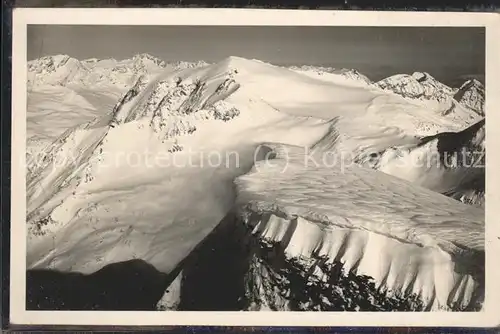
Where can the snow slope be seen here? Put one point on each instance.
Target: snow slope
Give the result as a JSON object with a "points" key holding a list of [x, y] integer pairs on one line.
{"points": [[63, 70], [64, 92], [123, 186], [328, 73], [448, 162], [52, 110]]}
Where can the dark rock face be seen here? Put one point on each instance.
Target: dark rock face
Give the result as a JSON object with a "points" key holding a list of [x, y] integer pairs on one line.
{"points": [[290, 284], [466, 150], [129, 285], [467, 140], [214, 274]]}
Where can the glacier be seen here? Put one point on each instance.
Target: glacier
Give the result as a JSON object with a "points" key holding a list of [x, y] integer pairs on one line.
{"points": [[133, 178]]}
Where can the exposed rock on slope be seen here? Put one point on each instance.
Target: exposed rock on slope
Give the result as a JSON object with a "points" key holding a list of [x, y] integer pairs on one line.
{"points": [[462, 156], [353, 75], [471, 95], [419, 85], [55, 70], [464, 104], [171, 107], [446, 162], [451, 163], [174, 103]]}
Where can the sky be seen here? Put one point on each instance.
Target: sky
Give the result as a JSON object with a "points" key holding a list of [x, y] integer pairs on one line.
{"points": [[448, 53]]}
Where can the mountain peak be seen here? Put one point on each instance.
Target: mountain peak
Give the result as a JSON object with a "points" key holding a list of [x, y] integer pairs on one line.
{"points": [[235, 61], [52, 61], [241, 65], [146, 57], [420, 76], [419, 85], [63, 69], [57, 70], [472, 83]]}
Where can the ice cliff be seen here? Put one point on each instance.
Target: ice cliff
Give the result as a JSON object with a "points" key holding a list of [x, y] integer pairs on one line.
{"points": [[325, 224], [303, 236]]}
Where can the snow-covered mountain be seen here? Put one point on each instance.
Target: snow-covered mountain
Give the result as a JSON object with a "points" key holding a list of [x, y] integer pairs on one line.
{"points": [[419, 85], [64, 70], [55, 70], [463, 104], [450, 163], [64, 92], [185, 151]]}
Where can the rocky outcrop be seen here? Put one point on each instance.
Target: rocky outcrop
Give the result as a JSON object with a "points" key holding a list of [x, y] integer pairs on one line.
{"points": [[174, 104], [419, 85], [171, 107], [55, 70], [451, 163], [463, 154], [472, 96], [353, 74]]}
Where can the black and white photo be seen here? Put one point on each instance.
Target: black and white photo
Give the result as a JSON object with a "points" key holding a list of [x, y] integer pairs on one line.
{"points": [[258, 168]]}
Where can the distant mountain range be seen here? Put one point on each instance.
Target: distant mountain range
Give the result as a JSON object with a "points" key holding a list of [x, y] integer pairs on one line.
{"points": [[64, 70]]}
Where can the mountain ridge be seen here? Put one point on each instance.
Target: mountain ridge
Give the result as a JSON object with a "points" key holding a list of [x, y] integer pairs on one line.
{"points": [[94, 71], [419, 86]]}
